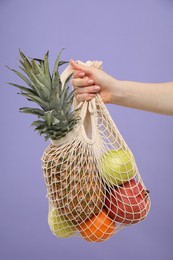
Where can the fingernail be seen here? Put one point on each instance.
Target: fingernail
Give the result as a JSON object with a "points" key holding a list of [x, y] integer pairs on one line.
{"points": [[81, 74], [90, 81], [96, 87]]}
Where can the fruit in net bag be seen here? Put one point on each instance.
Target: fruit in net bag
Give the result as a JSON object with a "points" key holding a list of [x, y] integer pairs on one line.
{"points": [[73, 182], [117, 166], [88, 170], [99, 228], [129, 203], [60, 226]]}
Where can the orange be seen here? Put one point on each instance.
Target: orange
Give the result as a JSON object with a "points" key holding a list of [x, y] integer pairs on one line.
{"points": [[98, 228]]}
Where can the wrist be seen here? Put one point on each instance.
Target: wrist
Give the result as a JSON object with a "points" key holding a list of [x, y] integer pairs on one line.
{"points": [[116, 92]]}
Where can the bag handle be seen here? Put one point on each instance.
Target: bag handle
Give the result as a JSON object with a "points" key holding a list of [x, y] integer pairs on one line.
{"points": [[88, 109], [65, 74]]}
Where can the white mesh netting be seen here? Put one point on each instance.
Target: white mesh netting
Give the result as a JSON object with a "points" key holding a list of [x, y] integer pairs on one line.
{"points": [[93, 185]]}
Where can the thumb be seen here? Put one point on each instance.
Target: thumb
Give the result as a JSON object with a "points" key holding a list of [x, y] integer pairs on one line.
{"points": [[79, 66]]}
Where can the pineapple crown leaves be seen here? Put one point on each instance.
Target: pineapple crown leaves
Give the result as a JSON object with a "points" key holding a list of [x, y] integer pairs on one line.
{"points": [[55, 118]]}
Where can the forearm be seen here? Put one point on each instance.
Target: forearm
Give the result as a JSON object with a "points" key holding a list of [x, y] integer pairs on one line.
{"points": [[157, 98]]}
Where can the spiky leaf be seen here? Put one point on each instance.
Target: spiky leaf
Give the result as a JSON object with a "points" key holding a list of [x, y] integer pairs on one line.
{"points": [[55, 116], [35, 111]]}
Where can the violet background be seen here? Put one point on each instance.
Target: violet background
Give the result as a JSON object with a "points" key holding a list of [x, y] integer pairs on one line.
{"points": [[135, 41]]}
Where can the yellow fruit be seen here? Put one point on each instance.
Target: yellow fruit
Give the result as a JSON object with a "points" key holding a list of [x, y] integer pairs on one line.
{"points": [[117, 167], [60, 226]]}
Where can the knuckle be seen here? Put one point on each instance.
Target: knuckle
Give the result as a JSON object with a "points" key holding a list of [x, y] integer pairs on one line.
{"points": [[72, 81], [76, 91]]}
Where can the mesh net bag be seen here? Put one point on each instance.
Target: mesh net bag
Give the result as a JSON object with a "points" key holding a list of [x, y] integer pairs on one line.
{"points": [[94, 188]]}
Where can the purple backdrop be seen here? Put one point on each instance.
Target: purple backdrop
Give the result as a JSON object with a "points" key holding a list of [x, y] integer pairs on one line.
{"points": [[135, 41]]}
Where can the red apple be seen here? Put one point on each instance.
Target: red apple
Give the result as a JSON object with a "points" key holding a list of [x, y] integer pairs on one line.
{"points": [[129, 203]]}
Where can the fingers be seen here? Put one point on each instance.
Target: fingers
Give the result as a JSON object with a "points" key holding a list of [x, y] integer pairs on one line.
{"points": [[80, 67], [74, 65], [86, 93], [81, 82], [87, 90], [85, 97], [78, 74]]}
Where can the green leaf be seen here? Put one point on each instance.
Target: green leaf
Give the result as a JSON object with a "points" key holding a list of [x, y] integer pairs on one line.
{"points": [[22, 77], [39, 73], [41, 63], [60, 63], [28, 90], [35, 111], [22, 68], [64, 94], [43, 80], [56, 82], [41, 129], [46, 66], [36, 100], [54, 99], [55, 121], [26, 63], [42, 91], [42, 66], [67, 107], [38, 123], [56, 65], [70, 97], [56, 118], [65, 89], [48, 116], [39, 60], [35, 67]]}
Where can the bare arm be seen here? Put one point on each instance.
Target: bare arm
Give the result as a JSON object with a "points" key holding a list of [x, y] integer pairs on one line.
{"points": [[153, 97]]}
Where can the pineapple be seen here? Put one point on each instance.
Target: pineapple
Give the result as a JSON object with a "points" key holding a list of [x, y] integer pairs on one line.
{"points": [[73, 182], [74, 187]]}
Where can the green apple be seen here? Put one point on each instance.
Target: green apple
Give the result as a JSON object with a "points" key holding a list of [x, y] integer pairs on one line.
{"points": [[117, 166], [60, 226]]}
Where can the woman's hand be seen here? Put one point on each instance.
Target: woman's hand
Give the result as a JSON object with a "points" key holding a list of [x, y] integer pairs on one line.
{"points": [[87, 81]]}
